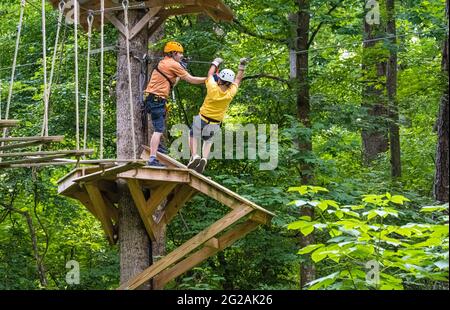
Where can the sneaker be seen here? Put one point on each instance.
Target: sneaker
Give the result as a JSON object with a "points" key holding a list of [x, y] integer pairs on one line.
{"points": [[155, 163], [162, 149], [201, 165], [194, 162]]}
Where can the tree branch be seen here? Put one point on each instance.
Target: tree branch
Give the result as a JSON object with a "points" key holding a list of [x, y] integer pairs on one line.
{"points": [[247, 31], [316, 31], [266, 76]]}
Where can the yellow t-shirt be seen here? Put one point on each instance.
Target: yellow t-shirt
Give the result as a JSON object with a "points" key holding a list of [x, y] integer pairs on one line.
{"points": [[217, 101], [158, 84]]}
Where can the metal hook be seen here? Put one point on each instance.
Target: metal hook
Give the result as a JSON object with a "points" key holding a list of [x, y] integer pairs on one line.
{"points": [[125, 4], [61, 5], [90, 18]]}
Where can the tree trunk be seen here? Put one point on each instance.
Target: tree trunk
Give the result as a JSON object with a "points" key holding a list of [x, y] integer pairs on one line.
{"points": [[391, 80], [307, 269], [135, 245], [375, 132], [441, 191]]}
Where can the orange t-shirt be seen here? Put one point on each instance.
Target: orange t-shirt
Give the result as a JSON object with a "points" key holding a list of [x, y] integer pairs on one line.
{"points": [[158, 84]]}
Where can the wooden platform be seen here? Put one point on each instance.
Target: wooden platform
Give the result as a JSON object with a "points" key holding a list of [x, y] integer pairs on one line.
{"points": [[158, 11], [97, 189]]}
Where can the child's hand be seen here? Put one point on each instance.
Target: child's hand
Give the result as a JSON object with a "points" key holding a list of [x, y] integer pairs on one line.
{"points": [[243, 63], [217, 62]]}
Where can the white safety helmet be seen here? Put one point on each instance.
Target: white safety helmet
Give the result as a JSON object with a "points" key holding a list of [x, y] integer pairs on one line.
{"points": [[227, 75]]}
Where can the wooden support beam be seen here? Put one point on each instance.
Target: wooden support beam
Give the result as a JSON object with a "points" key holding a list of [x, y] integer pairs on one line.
{"points": [[42, 159], [109, 188], [261, 217], [111, 210], [6, 123], [157, 174], [83, 197], [35, 138], [181, 196], [109, 172], [214, 193], [158, 195], [187, 247], [144, 21], [141, 205], [98, 202], [198, 180], [206, 252], [116, 22], [44, 140]]}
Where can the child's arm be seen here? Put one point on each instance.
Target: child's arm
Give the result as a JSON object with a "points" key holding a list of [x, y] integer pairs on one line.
{"points": [[214, 66], [242, 64]]}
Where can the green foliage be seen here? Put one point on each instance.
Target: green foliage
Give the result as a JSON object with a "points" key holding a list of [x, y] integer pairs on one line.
{"points": [[407, 254]]}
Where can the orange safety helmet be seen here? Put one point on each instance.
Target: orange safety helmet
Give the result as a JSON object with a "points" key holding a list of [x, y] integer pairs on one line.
{"points": [[173, 46]]}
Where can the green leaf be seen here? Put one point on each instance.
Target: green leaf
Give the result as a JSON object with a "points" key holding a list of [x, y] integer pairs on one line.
{"points": [[319, 255], [398, 199], [434, 208], [310, 248], [306, 230], [442, 264]]}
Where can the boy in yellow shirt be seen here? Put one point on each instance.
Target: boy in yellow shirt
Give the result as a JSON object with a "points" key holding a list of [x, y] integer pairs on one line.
{"points": [[221, 90]]}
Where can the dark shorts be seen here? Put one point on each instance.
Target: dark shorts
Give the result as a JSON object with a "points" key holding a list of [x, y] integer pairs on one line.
{"points": [[157, 109], [206, 130]]}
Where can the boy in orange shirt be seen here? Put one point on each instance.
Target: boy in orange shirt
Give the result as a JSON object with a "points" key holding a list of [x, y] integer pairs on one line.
{"points": [[163, 78]]}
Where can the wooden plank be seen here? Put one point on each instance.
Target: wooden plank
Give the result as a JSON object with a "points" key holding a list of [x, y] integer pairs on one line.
{"points": [[163, 158], [44, 153], [226, 240], [144, 21], [35, 138], [181, 196], [157, 174], [157, 196], [187, 247], [213, 192], [6, 123], [39, 159], [101, 210], [197, 179], [25, 144], [139, 200], [191, 9], [109, 172]]}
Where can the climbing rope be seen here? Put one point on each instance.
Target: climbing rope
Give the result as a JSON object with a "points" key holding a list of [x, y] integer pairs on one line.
{"points": [[102, 25], [47, 93], [13, 73], [77, 116], [130, 95], [44, 65], [90, 19]]}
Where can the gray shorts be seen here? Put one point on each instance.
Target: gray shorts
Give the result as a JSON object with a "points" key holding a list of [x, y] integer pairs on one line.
{"points": [[201, 128]]}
